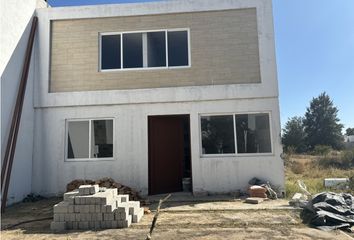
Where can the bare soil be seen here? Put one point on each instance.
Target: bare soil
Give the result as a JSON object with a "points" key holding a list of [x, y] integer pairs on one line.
{"points": [[214, 220]]}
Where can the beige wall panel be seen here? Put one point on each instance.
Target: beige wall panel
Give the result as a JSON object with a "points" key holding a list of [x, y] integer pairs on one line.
{"points": [[224, 50]]}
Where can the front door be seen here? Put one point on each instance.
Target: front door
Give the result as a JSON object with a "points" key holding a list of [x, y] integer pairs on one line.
{"points": [[166, 153]]}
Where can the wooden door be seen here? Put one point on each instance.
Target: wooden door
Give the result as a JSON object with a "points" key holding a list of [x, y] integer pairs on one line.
{"points": [[165, 154]]}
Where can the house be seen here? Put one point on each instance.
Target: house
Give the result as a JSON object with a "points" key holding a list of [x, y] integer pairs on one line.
{"points": [[153, 95]]}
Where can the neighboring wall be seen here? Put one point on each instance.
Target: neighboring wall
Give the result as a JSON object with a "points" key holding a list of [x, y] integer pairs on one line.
{"points": [[14, 16], [15, 28], [224, 50]]}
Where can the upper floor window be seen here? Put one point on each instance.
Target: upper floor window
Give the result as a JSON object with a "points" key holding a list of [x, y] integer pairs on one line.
{"points": [[151, 49]]}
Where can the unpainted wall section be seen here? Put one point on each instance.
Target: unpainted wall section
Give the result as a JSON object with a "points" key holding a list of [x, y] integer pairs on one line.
{"points": [[224, 50], [130, 165]]}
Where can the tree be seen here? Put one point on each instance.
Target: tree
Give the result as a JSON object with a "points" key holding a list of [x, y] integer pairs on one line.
{"points": [[349, 131], [321, 123], [294, 135]]}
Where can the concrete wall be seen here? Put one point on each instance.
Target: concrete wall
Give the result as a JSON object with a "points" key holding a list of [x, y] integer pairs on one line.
{"points": [[20, 184], [223, 47], [130, 165], [14, 17], [15, 24]]}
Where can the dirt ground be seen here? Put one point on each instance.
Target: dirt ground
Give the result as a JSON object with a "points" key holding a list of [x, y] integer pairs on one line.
{"points": [[178, 220]]}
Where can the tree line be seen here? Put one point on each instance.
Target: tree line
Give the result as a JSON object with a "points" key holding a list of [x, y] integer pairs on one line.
{"points": [[320, 126]]}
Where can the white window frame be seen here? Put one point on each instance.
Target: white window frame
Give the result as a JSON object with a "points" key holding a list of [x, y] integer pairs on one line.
{"points": [[236, 154], [90, 120], [143, 68]]}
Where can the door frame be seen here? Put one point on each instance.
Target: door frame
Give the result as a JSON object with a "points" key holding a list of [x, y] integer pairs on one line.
{"points": [[149, 145]]}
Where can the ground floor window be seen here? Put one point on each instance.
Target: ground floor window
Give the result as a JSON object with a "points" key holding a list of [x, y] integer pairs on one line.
{"points": [[89, 139], [236, 134]]}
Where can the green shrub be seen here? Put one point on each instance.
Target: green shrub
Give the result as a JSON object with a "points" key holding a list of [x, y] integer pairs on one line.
{"points": [[322, 150]]}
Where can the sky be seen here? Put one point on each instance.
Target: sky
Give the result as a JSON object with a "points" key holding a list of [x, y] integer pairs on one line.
{"points": [[314, 52]]}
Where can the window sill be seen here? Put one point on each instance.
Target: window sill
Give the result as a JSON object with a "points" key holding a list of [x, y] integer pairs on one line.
{"points": [[89, 159], [236, 155], [142, 69]]}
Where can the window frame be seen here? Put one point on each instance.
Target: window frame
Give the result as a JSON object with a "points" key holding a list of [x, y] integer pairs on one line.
{"points": [[89, 159], [100, 34], [236, 154]]}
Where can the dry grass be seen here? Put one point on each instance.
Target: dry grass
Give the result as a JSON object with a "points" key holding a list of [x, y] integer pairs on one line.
{"points": [[307, 168]]}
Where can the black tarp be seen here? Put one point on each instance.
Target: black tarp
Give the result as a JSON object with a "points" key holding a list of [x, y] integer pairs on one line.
{"points": [[329, 211]]}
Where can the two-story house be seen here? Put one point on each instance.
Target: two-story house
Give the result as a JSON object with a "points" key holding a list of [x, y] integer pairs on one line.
{"points": [[157, 94]]}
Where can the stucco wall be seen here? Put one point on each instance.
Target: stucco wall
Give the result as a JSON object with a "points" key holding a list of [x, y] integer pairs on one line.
{"points": [[21, 176], [223, 46], [214, 174]]}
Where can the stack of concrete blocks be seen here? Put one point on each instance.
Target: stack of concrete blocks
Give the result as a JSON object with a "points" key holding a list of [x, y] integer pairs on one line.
{"points": [[91, 207]]}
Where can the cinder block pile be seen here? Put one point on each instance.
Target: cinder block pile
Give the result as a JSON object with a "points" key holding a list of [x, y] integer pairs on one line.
{"points": [[91, 207]]}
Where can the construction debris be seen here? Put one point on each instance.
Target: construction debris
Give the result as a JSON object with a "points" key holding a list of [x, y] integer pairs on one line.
{"points": [[337, 183], [107, 183], [270, 193], [154, 220], [91, 207], [298, 200], [329, 211], [257, 191], [254, 200]]}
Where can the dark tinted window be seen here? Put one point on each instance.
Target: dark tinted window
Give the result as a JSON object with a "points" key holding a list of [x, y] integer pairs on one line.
{"points": [[178, 48], [102, 138], [217, 134], [253, 133], [110, 52], [132, 50], [156, 49]]}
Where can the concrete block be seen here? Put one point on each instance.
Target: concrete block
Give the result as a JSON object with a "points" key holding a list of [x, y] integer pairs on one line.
{"points": [[69, 225], [92, 208], [84, 189], [75, 225], [56, 217], [94, 189], [58, 226], [85, 208], [114, 224], [123, 198], [97, 224], [337, 183], [61, 217], [254, 200], [61, 207], [133, 206], [66, 217], [77, 208], [137, 217], [69, 196], [83, 225], [125, 223], [97, 208], [71, 208], [108, 216], [99, 216]]}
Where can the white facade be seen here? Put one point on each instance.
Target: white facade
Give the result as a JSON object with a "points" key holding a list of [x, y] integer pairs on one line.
{"points": [[15, 28], [130, 110]]}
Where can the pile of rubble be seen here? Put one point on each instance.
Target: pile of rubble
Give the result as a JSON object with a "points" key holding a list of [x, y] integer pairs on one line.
{"points": [[92, 207], [107, 183]]}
